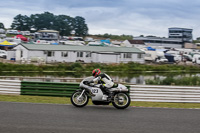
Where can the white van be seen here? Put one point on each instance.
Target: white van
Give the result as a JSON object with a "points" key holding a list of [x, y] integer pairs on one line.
{"points": [[3, 54], [195, 58], [198, 61], [12, 32], [2, 31], [26, 33]]}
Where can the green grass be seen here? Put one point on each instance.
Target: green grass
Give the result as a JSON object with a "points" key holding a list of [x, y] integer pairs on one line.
{"points": [[34, 99], [166, 105], [66, 100]]}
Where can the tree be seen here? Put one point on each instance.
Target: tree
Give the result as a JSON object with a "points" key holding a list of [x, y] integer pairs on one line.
{"points": [[64, 24], [1, 26], [43, 21], [21, 22], [80, 27]]}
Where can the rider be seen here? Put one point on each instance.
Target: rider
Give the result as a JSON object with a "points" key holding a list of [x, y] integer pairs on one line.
{"points": [[104, 79]]}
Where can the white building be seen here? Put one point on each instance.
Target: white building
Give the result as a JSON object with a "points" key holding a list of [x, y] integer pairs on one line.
{"points": [[67, 53], [161, 42], [134, 43], [181, 33]]}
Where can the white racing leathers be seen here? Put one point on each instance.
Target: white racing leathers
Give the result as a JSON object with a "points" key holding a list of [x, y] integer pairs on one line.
{"points": [[105, 80]]}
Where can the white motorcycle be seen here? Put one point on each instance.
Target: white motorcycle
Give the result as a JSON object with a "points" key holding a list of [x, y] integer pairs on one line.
{"points": [[119, 95]]}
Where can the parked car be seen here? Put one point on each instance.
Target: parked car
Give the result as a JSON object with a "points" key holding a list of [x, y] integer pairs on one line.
{"points": [[22, 38], [2, 35], [15, 32], [187, 57], [3, 54], [195, 58], [177, 58], [26, 33], [2, 31], [161, 59], [197, 61]]}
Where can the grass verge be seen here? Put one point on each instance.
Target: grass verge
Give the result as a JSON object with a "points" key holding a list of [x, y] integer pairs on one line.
{"points": [[66, 100]]}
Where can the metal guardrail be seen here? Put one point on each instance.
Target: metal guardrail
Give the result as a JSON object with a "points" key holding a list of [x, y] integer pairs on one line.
{"points": [[10, 87], [41, 79], [48, 88], [147, 93], [158, 93]]}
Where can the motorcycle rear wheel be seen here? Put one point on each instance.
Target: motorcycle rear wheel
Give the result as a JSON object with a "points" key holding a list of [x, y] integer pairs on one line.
{"points": [[78, 101], [121, 100]]}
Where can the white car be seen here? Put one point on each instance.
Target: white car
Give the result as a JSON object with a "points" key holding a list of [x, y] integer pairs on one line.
{"points": [[161, 59], [177, 58], [3, 54], [195, 58]]}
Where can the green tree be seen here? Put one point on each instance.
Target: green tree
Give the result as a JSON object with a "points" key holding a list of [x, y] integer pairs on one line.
{"points": [[64, 24], [1, 26], [80, 27], [106, 35], [21, 23], [43, 21]]}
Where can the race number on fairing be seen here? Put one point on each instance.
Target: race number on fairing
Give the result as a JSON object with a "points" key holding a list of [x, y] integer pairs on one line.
{"points": [[94, 90]]}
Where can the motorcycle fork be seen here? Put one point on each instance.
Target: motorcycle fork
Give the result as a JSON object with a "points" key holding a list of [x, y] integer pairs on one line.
{"points": [[81, 94]]}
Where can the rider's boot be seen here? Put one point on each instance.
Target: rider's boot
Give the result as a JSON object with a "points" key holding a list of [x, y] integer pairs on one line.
{"points": [[104, 90], [92, 94], [109, 93]]}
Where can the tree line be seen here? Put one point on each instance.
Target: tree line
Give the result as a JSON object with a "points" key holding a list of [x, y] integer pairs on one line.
{"points": [[66, 25], [1, 25], [115, 37]]}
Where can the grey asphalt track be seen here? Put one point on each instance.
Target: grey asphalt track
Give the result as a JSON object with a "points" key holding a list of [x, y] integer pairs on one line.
{"points": [[52, 118]]}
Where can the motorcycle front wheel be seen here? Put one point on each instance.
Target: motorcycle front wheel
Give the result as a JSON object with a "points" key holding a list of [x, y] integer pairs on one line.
{"points": [[78, 100], [121, 100]]}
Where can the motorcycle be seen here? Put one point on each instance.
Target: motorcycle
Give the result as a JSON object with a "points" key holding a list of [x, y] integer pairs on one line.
{"points": [[119, 95]]}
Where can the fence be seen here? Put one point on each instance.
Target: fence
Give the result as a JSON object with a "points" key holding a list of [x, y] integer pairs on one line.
{"points": [[10, 87], [151, 93], [48, 88], [154, 93]]}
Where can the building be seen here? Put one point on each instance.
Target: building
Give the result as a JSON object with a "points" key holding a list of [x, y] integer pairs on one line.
{"points": [[160, 42], [48, 35], [134, 43], [67, 53], [181, 33]]}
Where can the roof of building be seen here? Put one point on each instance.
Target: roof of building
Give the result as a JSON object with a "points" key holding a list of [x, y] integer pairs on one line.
{"points": [[136, 42], [49, 47], [158, 39], [178, 28], [48, 31]]}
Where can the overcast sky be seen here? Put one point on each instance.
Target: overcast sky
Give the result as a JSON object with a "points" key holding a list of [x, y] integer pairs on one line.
{"points": [[117, 17]]}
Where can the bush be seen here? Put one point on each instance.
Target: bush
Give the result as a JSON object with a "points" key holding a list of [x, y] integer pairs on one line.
{"points": [[188, 81]]}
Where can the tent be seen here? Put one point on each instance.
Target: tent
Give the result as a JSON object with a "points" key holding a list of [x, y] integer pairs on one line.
{"points": [[100, 44], [6, 43], [22, 37], [105, 41], [151, 49]]}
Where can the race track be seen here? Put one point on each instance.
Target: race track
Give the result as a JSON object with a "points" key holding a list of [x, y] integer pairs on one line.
{"points": [[52, 118]]}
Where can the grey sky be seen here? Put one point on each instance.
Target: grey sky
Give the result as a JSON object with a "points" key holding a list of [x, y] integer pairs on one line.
{"points": [[130, 17]]}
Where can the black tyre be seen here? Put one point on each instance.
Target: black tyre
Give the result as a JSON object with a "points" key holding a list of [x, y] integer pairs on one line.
{"points": [[121, 100], [78, 101]]}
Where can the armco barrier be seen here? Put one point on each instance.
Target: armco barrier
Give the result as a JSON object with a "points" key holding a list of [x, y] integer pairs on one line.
{"points": [[149, 93], [48, 88], [159, 93], [10, 87]]}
